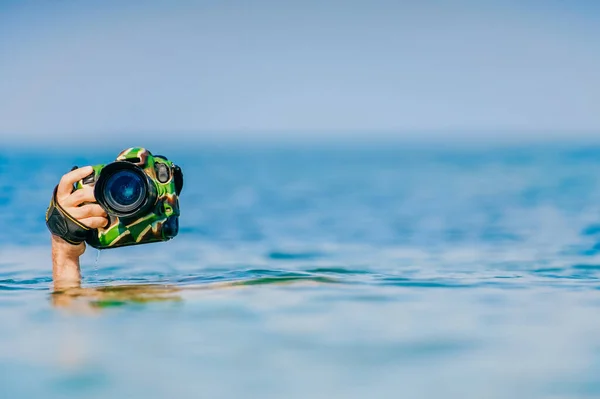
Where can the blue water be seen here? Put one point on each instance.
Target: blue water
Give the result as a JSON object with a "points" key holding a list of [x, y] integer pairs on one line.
{"points": [[317, 273]]}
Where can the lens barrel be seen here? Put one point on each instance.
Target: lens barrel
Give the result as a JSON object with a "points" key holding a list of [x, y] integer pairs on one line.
{"points": [[124, 190]]}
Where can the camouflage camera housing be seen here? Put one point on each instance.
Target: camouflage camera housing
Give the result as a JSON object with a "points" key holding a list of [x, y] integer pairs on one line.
{"points": [[140, 194]]}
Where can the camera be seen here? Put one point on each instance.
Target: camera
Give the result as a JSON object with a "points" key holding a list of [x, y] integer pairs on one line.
{"points": [[140, 194]]}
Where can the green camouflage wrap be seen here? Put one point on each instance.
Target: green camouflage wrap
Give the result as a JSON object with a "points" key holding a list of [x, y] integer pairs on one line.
{"points": [[148, 227]]}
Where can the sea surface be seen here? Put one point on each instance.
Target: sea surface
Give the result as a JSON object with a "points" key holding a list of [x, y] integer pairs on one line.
{"points": [[318, 272]]}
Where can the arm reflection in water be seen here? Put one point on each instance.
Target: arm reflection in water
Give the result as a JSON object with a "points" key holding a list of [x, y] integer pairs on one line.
{"points": [[95, 298], [92, 299]]}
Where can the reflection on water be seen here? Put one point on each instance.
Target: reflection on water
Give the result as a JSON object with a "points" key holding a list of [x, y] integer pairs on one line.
{"points": [[110, 296], [81, 298]]}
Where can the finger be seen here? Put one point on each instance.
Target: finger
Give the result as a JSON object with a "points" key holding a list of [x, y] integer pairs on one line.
{"points": [[86, 194], [65, 186], [95, 222], [86, 211]]}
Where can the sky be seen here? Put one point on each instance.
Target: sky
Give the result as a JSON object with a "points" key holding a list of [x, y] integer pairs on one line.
{"points": [[86, 70]]}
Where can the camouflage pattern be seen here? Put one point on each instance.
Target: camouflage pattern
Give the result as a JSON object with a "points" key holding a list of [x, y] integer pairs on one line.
{"points": [[146, 228]]}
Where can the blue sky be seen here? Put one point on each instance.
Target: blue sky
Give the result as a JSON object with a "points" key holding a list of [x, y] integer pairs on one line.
{"points": [[74, 69]]}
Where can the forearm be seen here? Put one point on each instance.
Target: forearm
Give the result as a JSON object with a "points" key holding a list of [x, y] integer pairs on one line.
{"points": [[71, 214], [65, 263]]}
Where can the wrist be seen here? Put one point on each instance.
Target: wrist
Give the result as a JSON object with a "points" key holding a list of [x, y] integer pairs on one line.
{"points": [[66, 250], [65, 262]]}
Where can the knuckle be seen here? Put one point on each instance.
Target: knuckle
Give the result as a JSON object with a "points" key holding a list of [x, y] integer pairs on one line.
{"points": [[98, 211], [84, 212], [100, 222], [77, 195], [90, 193]]}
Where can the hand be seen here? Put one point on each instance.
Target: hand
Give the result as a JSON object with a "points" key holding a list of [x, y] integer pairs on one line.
{"points": [[80, 204]]}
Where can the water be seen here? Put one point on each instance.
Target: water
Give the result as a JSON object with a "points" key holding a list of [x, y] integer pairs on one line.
{"points": [[332, 272]]}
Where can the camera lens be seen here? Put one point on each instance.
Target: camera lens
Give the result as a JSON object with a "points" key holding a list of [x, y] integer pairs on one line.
{"points": [[125, 191]]}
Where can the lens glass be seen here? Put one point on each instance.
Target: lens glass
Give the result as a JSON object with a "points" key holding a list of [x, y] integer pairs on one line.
{"points": [[125, 190]]}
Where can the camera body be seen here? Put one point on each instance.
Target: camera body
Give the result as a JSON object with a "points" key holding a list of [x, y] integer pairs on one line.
{"points": [[140, 194]]}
